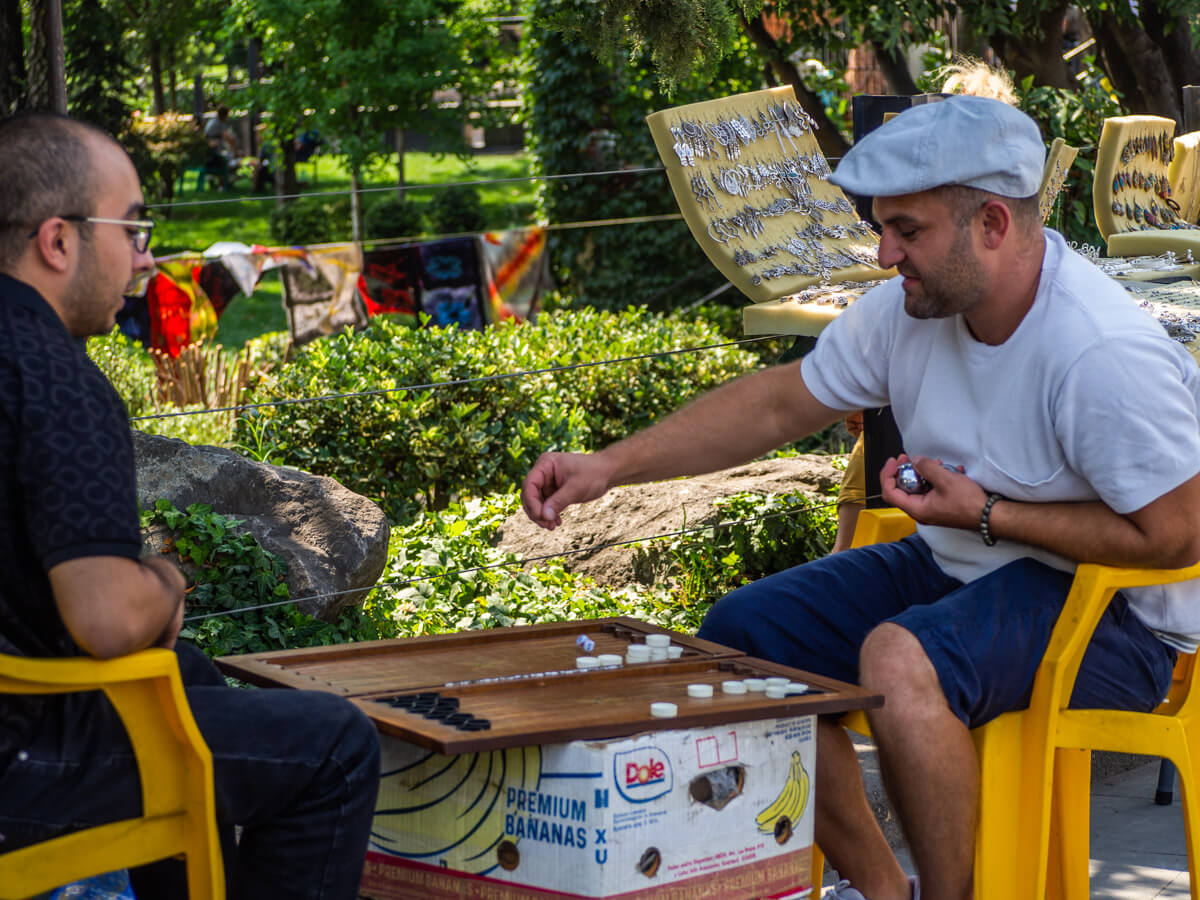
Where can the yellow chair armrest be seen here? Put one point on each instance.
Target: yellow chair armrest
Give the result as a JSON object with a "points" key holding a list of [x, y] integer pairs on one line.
{"points": [[881, 526], [29, 675]]}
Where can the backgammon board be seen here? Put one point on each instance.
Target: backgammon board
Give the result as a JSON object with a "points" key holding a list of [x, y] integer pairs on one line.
{"points": [[514, 687]]}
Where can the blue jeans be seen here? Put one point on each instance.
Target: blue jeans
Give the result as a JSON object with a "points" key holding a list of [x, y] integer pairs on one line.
{"points": [[298, 770], [985, 638]]}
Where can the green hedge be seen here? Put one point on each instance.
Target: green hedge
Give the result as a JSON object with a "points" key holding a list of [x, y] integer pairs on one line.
{"points": [[411, 449], [425, 589], [128, 366]]}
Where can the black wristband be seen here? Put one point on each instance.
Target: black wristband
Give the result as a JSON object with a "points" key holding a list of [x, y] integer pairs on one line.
{"points": [[985, 530]]}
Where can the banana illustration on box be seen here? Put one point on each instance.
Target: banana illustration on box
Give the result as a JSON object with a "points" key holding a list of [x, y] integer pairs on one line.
{"points": [[792, 800], [453, 812]]}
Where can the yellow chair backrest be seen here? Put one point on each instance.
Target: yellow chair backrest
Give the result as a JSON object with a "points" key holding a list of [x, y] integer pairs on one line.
{"points": [[175, 767]]}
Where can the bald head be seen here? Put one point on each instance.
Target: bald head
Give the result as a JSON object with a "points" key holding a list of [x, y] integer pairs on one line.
{"points": [[46, 170]]}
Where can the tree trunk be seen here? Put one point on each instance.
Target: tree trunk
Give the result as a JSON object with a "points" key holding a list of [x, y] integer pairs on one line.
{"points": [[12, 59], [37, 59], [356, 213], [159, 103], [895, 70], [1145, 60], [1040, 54], [829, 139], [171, 80], [55, 55], [1116, 65], [1173, 34], [398, 136], [285, 174]]}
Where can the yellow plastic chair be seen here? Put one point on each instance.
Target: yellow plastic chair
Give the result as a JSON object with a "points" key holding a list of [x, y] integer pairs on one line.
{"points": [[178, 814], [1026, 845]]}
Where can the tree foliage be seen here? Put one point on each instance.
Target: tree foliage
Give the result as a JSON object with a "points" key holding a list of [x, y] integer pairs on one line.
{"points": [[358, 76], [583, 114], [1147, 48]]}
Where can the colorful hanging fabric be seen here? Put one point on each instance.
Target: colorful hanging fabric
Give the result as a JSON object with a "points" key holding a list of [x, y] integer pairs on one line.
{"points": [[390, 280], [171, 308], [320, 290], [516, 263], [218, 284], [180, 313], [452, 289]]}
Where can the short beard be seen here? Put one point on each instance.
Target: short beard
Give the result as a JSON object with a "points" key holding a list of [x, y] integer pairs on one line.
{"points": [[954, 287], [87, 311]]}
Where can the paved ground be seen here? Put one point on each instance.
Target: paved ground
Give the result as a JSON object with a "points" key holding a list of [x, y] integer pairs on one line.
{"points": [[1138, 848]]}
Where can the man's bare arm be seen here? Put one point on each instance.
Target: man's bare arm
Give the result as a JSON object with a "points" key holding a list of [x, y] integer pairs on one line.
{"points": [[1164, 534], [112, 605], [735, 423]]}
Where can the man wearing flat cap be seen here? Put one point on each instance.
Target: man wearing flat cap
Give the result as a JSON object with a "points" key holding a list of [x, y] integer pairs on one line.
{"points": [[1069, 420]]}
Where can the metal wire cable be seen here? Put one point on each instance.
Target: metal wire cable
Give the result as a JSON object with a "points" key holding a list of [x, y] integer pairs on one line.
{"points": [[375, 392], [509, 564], [1087, 148], [406, 187]]}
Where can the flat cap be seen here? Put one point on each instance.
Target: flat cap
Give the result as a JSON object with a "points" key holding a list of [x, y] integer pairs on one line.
{"points": [[970, 141]]}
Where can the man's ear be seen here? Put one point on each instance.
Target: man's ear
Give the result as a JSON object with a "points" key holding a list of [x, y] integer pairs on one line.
{"points": [[997, 222], [54, 244]]}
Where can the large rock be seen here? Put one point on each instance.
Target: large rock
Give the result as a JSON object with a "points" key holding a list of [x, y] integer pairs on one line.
{"points": [[332, 539], [637, 511]]}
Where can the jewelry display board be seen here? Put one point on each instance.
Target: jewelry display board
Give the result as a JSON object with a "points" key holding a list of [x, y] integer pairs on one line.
{"points": [[752, 185], [1184, 175], [1131, 197], [1058, 163]]}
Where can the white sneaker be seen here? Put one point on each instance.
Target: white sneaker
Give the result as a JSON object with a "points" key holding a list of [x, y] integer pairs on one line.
{"points": [[843, 891]]}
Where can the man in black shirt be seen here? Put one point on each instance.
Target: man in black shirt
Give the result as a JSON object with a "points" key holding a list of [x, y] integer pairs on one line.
{"points": [[297, 770]]}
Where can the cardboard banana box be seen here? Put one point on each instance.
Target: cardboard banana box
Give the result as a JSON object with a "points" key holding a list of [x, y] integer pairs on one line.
{"points": [[722, 812]]}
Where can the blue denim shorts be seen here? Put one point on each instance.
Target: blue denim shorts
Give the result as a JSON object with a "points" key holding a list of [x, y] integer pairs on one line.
{"points": [[985, 638]]}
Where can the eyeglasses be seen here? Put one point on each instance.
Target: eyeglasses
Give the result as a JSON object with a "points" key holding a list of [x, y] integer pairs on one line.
{"points": [[140, 230]]}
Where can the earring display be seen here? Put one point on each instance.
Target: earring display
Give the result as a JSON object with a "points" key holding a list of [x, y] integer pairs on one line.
{"points": [[752, 185], [1132, 199], [1175, 306], [1054, 175], [1184, 175]]}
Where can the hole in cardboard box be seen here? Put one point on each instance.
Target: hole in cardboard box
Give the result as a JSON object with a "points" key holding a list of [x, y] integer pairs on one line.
{"points": [[508, 855], [649, 862], [783, 829], [718, 787]]}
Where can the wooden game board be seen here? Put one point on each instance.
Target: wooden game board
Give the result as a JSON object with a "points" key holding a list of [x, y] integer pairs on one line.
{"points": [[522, 682]]}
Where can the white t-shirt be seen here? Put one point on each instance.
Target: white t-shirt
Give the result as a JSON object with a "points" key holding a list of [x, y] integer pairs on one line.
{"points": [[1088, 399]]}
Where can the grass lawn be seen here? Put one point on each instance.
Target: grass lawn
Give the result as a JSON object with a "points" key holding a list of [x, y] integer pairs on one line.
{"points": [[242, 216]]}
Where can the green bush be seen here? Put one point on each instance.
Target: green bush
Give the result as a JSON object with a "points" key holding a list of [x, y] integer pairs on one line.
{"points": [[445, 574], [229, 571], [765, 535], [392, 218], [312, 220], [430, 446], [458, 209], [130, 369]]}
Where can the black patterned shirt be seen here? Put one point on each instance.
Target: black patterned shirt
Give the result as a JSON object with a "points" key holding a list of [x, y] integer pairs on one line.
{"points": [[67, 487]]}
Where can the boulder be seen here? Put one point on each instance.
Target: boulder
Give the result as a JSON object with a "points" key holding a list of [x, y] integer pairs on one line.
{"points": [[332, 539], [641, 510]]}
